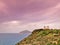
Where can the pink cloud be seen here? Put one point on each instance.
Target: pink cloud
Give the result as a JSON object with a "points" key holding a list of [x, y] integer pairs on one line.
{"points": [[3, 7], [29, 14]]}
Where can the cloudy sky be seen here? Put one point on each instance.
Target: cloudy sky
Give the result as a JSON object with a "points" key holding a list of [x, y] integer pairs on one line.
{"points": [[19, 15]]}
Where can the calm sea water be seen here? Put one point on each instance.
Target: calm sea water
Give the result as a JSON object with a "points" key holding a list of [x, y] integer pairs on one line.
{"points": [[11, 38]]}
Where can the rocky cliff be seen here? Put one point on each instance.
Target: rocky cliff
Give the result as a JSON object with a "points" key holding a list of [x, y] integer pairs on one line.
{"points": [[42, 37]]}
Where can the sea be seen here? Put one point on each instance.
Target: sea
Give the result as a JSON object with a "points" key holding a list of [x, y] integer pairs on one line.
{"points": [[11, 38]]}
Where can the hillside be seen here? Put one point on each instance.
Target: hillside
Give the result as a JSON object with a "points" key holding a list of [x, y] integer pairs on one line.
{"points": [[25, 31], [42, 37]]}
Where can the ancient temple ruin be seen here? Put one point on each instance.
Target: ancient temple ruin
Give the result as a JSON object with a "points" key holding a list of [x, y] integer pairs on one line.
{"points": [[46, 27]]}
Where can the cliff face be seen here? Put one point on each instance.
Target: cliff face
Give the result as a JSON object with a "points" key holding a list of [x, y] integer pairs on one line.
{"points": [[42, 37]]}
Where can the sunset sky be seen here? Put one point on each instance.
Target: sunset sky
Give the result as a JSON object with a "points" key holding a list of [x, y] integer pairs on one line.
{"points": [[20, 15]]}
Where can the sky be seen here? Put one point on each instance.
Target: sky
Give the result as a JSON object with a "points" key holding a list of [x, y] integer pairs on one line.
{"points": [[20, 15]]}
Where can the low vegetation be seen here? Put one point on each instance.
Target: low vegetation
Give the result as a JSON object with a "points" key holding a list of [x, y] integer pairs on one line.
{"points": [[42, 37]]}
